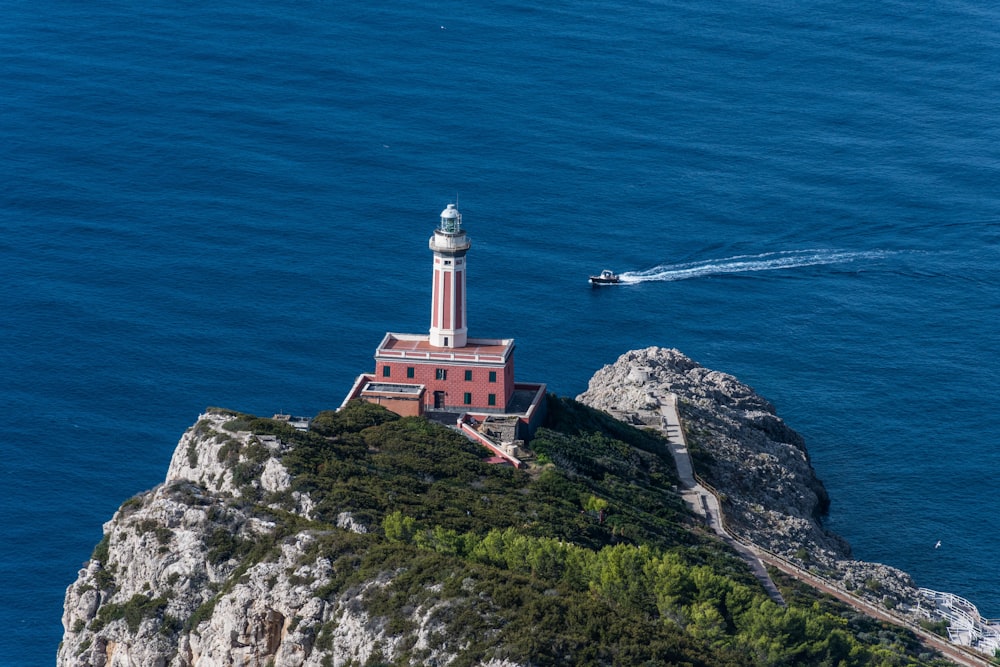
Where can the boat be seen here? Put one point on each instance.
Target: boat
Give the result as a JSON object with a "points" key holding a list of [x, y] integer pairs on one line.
{"points": [[606, 278]]}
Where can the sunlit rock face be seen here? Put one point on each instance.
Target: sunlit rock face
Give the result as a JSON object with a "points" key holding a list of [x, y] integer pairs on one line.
{"points": [[194, 574], [760, 466]]}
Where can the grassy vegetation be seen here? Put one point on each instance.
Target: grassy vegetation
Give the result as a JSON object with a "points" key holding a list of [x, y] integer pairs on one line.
{"points": [[100, 552], [588, 558], [138, 608]]}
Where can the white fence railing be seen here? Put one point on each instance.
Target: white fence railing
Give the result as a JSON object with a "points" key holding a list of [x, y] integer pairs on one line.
{"points": [[966, 625]]}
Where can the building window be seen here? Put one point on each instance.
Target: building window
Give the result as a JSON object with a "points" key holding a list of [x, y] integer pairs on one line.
{"points": [[447, 262], [468, 398], [493, 376], [491, 399], [468, 376], [441, 374], [409, 371], [386, 371]]}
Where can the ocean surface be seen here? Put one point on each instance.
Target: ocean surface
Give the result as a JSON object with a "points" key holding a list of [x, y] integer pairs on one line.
{"points": [[228, 204]]}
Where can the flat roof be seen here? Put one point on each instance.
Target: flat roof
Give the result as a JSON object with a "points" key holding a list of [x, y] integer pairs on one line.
{"points": [[393, 388], [522, 399], [416, 347]]}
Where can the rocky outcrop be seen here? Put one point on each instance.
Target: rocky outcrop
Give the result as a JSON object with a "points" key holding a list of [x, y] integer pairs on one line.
{"points": [[197, 572], [759, 466], [227, 563]]}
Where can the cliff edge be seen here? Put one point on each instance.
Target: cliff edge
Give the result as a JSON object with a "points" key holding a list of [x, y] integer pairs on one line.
{"points": [[373, 539], [769, 491], [220, 565]]}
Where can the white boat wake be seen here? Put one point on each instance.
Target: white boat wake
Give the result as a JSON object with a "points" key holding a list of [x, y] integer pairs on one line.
{"points": [[768, 261]]}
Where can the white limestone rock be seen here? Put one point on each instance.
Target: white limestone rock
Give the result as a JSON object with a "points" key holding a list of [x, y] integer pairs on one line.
{"points": [[742, 448], [274, 477], [190, 575]]}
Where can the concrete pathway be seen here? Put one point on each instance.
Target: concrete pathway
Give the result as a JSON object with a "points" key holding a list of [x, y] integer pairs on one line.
{"points": [[701, 500], [704, 503]]}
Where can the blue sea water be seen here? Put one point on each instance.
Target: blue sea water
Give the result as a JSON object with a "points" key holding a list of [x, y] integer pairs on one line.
{"points": [[228, 204]]}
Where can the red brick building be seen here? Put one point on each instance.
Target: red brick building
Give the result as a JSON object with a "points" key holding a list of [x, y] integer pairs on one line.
{"points": [[445, 370]]}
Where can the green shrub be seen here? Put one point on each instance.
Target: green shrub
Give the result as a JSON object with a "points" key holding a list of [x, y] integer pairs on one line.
{"points": [[163, 533], [256, 452], [229, 452], [138, 608], [170, 625], [399, 528], [939, 627], [131, 505], [105, 578], [354, 417], [237, 425], [201, 614], [223, 545], [244, 473], [585, 560], [100, 552]]}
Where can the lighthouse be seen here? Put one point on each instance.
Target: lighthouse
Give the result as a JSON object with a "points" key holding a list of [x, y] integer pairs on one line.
{"points": [[449, 245], [444, 373]]}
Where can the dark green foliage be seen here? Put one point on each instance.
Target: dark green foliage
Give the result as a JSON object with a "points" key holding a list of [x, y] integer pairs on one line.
{"points": [[131, 505], [100, 552], [594, 455], [222, 411], [939, 628], [244, 473], [490, 612], [412, 465], [138, 607], [587, 559], [373, 463], [170, 625], [105, 579], [256, 453], [163, 533], [223, 545], [188, 493], [256, 425], [238, 424], [202, 613], [229, 452], [572, 418], [265, 426], [631, 477], [885, 644], [356, 416], [546, 601]]}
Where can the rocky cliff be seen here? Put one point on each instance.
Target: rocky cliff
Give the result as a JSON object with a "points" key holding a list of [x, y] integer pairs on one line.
{"points": [[175, 581], [760, 467], [236, 560]]}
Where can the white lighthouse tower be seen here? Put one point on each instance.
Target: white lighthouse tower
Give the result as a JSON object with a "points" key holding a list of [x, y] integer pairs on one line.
{"points": [[446, 373], [448, 316]]}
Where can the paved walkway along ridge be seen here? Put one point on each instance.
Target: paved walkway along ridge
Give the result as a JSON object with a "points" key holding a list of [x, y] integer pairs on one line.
{"points": [[700, 499], [704, 503]]}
